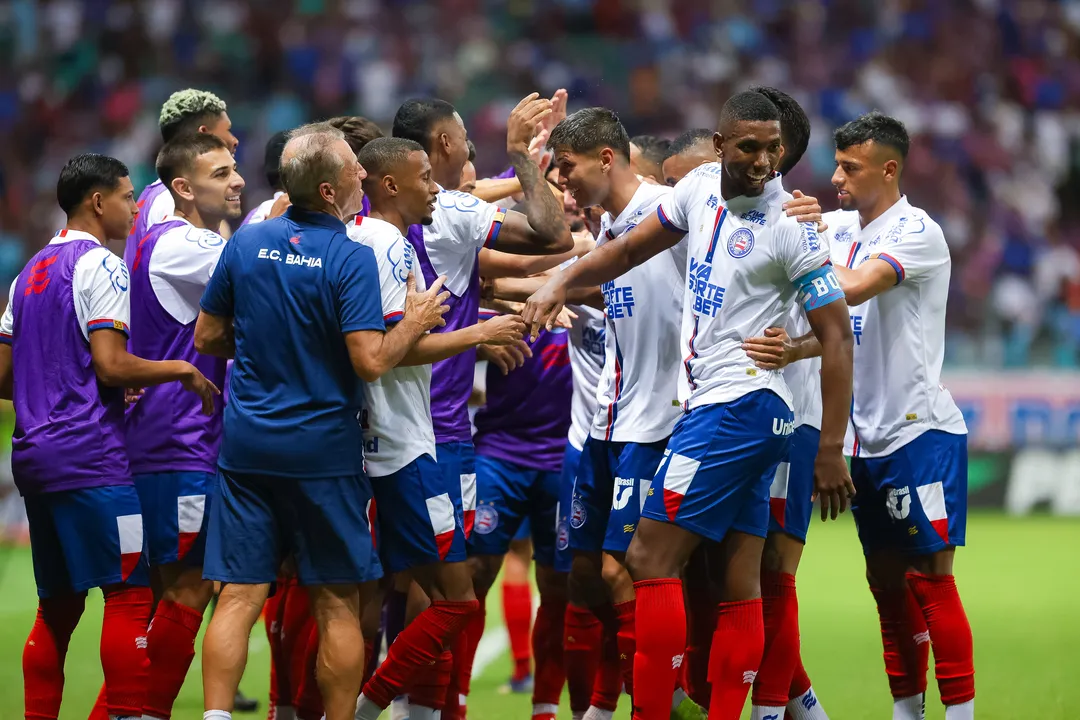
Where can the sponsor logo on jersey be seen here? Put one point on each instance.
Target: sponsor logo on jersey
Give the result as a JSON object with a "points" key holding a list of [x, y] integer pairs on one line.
{"points": [[810, 237], [578, 514], [623, 491], [487, 519], [592, 340], [857, 328], [708, 298], [898, 502], [740, 243], [618, 300], [843, 235], [712, 202], [754, 216]]}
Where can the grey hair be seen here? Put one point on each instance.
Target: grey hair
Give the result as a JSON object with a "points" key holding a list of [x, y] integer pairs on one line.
{"points": [[309, 160]]}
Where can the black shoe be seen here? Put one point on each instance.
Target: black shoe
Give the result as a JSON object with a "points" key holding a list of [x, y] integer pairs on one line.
{"points": [[242, 703]]}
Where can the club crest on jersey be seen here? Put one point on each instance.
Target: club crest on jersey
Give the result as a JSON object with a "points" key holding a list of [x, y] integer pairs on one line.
{"points": [[562, 536], [740, 243], [843, 235], [487, 519], [578, 514]]}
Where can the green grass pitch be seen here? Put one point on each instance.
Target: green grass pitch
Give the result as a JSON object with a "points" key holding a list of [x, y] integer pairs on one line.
{"points": [[1018, 580]]}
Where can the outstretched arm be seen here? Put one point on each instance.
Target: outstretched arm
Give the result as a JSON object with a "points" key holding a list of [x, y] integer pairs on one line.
{"points": [[605, 263]]}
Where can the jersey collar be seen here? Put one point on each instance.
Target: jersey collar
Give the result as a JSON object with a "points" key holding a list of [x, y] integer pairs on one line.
{"points": [[886, 218], [66, 236], [306, 217]]}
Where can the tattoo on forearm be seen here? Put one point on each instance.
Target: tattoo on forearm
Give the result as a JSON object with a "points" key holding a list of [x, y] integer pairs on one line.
{"points": [[541, 207]]}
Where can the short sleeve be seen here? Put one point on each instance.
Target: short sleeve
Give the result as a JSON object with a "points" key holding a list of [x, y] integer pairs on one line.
{"points": [[358, 298], [674, 210], [180, 269], [468, 220], [217, 298], [7, 321], [914, 248], [395, 264], [800, 249], [101, 283]]}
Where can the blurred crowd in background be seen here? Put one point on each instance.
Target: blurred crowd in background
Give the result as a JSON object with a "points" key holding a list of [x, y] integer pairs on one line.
{"points": [[990, 90]]}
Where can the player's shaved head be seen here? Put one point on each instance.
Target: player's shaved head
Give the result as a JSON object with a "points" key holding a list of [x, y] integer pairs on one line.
{"points": [[794, 127], [886, 132], [688, 151], [177, 158], [747, 106], [385, 156], [358, 130], [590, 130], [186, 111]]}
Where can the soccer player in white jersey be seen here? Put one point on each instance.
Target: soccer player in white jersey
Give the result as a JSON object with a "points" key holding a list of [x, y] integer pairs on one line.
{"points": [[713, 482], [908, 440], [185, 112], [420, 513], [688, 151], [462, 225], [172, 446]]}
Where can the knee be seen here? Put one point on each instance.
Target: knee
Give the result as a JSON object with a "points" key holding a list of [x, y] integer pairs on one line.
{"points": [[485, 568], [194, 593], [638, 563]]}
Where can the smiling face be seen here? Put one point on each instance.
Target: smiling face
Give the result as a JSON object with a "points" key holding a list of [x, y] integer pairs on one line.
{"points": [[750, 150], [583, 175], [416, 190]]}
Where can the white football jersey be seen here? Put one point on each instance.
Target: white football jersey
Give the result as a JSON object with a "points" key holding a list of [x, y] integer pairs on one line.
{"points": [[746, 260], [638, 391], [587, 363], [180, 268], [397, 406], [460, 226], [803, 378], [900, 334], [99, 284]]}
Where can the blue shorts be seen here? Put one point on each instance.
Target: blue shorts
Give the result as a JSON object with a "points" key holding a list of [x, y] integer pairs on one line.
{"points": [[720, 462], [81, 539], [564, 558], [174, 514], [507, 494], [612, 483], [458, 463], [889, 514], [420, 519], [791, 494], [524, 532], [325, 524]]}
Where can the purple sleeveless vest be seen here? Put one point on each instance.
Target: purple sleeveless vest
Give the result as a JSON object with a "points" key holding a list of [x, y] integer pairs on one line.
{"points": [[452, 378], [69, 429], [527, 417], [166, 430], [140, 229]]}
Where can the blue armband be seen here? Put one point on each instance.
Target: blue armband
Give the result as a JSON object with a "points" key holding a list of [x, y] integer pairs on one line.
{"points": [[819, 288]]}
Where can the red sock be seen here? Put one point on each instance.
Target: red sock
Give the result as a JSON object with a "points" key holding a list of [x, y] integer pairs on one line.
{"points": [[123, 647], [736, 656], [418, 646], [800, 681], [170, 647], [273, 615], [627, 640], [547, 642], [582, 635], [950, 633], [517, 612], [100, 711], [905, 641], [660, 632], [44, 654], [463, 653], [429, 687], [701, 624], [780, 610], [608, 685], [308, 701]]}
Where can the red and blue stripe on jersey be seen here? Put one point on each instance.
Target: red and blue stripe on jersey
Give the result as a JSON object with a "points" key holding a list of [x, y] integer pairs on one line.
{"points": [[686, 363], [721, 215], [613, 408], [854, 253]]}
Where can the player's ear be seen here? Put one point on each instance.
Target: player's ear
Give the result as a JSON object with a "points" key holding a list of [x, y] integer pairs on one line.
{"points": [[182, 187], [327, 192], [97, 203], [389, 185], [718, 145], [892, 169]]}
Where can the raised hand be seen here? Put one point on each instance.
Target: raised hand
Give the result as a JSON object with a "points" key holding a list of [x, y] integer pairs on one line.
{"points": [[525, 121]]}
